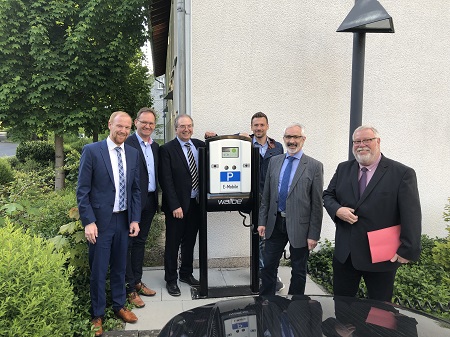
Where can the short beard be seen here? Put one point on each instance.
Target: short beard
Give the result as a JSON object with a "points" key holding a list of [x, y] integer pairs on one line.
{"points": [[363, 159]]}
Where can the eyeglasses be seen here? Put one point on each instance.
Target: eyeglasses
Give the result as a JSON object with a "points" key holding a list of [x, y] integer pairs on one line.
{"points": [[146, 123], [364, 141], [183, 127], [288, 137]]}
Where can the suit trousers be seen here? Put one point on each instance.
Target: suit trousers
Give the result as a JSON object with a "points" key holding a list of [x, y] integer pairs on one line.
{"points": [[346, 279], [181, 233], [272, 254], [136, 245], [110, 250]]}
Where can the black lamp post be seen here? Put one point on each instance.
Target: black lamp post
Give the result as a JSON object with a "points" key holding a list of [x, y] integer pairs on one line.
{"points": [[367, 16]]}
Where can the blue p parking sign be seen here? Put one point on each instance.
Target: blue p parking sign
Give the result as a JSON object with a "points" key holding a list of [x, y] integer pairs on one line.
{"points": [[230, 176]]}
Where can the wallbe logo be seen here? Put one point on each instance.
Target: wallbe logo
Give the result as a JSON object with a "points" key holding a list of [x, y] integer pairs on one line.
{"points": [[230, 201]]}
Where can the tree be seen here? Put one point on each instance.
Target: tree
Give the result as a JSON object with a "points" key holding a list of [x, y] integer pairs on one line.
{"points": [[67, 64]]}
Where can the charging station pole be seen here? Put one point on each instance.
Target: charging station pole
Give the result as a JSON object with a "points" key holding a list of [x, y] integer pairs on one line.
{"points": [[228, 181]]}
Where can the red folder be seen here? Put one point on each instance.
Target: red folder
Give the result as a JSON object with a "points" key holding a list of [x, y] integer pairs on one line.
{"points": [[384, 243], [383, 318]]}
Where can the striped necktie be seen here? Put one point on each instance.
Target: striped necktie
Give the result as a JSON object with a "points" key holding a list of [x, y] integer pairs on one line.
{"points": [[121, 180], [192, 166]]}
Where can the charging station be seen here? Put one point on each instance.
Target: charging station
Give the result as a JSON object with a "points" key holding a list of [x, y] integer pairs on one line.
{"points": [[228, 181]]}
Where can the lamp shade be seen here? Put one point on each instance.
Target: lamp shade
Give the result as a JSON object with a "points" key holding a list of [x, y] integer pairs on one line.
{"points": [[367, 16]]}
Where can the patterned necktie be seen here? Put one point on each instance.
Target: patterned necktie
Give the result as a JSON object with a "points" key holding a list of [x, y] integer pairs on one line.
{"points": [[285, 185], [363, 181], [192, 167], [121, 180]]}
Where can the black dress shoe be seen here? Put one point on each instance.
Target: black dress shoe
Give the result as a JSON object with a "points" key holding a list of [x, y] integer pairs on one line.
{"points": [[172, 289], [191, 280]]}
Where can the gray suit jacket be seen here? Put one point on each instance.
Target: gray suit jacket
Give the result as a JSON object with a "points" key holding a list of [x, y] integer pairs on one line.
{"points": [[304, 208]]}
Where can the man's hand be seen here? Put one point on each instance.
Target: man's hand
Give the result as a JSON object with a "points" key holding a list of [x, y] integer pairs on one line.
{"points": [[134, 229], [346, 214], [311, 244], [178, 213], [398, 258], [91, 233], [262, 231], [209, 134]]}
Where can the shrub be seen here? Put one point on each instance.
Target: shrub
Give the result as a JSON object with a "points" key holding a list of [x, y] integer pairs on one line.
{"points": [[39, 151], [441, 250], [6, 172], [35, 292]]}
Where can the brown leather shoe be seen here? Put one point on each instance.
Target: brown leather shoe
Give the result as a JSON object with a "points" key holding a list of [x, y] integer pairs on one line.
{"points": [[126, 315], [97, 323], [142, 289], [136, 300]]}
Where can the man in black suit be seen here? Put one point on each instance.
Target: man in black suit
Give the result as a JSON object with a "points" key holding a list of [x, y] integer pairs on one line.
{"points": [[179, 182], [145, 124], [366, 194]]}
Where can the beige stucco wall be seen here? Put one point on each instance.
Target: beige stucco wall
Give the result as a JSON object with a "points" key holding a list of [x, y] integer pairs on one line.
{"points": [[285, 58]]}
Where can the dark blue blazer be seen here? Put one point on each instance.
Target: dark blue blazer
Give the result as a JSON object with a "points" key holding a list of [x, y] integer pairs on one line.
{"points": [[96, 189]]}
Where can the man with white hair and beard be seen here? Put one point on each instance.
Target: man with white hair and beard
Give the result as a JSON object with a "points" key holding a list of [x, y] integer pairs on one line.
{"points": [[370, 196], [291, 211]]}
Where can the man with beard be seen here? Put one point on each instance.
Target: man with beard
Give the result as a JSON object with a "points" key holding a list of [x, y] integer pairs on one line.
{"points": [[291, 211], [369, 193]]}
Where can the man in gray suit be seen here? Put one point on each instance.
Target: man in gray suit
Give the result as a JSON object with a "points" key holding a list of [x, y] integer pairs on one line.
{"points": [[291, 211]]}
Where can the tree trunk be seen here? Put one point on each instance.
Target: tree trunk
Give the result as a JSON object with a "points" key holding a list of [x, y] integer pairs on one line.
{"points": [[59, 163], [95, 136]]}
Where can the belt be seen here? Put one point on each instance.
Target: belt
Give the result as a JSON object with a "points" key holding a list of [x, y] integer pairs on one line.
{"points": [[120, 212], [282, 214]]}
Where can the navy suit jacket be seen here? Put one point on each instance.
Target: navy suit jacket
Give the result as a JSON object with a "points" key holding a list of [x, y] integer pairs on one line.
{"points": [[174, 176], [96, 189], [143, 172], [391, 198]]}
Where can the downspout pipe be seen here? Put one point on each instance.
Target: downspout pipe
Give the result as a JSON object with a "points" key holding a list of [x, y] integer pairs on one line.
{"points": [[181, 63]]}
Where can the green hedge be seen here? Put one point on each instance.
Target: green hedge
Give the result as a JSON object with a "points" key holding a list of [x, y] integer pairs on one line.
{"points": [[41, 152], [6, 172], [35, 293]]}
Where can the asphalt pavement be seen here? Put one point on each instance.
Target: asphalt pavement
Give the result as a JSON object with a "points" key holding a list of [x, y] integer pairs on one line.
{"points": [[8, 149]]}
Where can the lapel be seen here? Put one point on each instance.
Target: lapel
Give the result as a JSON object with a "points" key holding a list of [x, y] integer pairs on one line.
{"points": [[106, 159], [300, 169], [180, 152], [130, 164], [378, 174], [136, 144], [277, 164]]}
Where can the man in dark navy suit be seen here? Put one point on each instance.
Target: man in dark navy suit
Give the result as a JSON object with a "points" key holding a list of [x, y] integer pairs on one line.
{"points": [[109, 203], [369, 193], [178, 177], [145, 124]]}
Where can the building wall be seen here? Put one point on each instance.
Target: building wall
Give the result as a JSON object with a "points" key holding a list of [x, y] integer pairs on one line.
{"points": [[286, 59]]}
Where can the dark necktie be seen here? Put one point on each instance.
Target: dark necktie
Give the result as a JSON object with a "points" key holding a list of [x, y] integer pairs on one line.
{"points": [[285, 185], [363, 181], [121, 180], [192, 167]]}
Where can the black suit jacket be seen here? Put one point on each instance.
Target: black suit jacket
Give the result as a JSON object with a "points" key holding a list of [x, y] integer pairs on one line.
{"points": [[174, 175], [391, 198], [143, 172]]}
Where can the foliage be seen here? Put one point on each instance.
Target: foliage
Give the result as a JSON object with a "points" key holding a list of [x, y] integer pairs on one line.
{"points": [[66, 65], [35, 292], [71, 164], [71, 240], [441, 250], [6, 173], [41, 152]]}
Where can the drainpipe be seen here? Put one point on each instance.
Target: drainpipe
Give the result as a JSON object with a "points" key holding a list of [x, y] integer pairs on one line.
{"points": [[181, 63]]}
